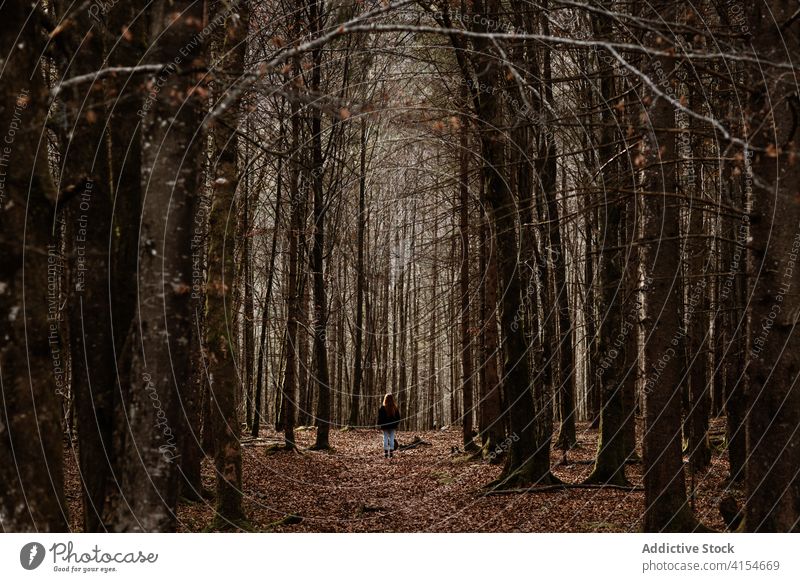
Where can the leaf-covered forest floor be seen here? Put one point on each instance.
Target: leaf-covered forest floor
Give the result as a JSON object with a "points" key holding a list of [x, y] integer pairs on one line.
{"points": [[425, 489]]}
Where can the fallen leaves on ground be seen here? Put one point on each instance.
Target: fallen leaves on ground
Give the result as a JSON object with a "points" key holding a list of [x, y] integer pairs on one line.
{"points": [[353, 488]]}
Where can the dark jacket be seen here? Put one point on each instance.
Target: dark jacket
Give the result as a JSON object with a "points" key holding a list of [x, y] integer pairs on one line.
{"points": [[387, 422]]}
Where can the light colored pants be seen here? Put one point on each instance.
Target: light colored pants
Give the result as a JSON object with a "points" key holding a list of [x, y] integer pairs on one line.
{"points": [[388, 439]]}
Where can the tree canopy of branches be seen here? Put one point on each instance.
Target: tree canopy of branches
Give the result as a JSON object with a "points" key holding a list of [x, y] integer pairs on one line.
{"points": [[525, 220]]}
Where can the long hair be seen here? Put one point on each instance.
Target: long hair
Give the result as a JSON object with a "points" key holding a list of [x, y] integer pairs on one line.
{"points": [[390, 406]]}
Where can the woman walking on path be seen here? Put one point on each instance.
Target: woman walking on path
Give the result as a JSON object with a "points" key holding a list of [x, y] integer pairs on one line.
{"points": [[388, 419]]}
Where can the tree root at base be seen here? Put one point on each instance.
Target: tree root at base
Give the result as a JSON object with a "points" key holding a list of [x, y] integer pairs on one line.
{"points": [[519, 479]]}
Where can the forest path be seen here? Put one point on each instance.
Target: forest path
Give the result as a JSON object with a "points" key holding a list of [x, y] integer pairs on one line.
{"points": [[354, 488]]}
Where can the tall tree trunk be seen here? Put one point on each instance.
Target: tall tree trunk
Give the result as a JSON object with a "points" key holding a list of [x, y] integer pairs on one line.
{"points": [[158, 347], [614, 327], [452, 333], [320, 296], [430, 401], [248, 331], [31, 464], [86, 176], [666, 507], [634, 290], [406, 341], [221, 316], [262, 346], [591, 310], [611, 451], [466, 342], [288, 394], [413, 393], [491, 411], [697, 322], [402, 309], [773, 422], [631, 362], [355, 402], [528, 459], [192, 451], [125, 172], [198, 438], [305, 372], [566, 357], [733, 293]]}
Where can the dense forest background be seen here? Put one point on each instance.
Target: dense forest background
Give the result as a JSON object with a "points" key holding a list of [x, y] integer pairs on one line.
{"points": [[564, 234]]}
